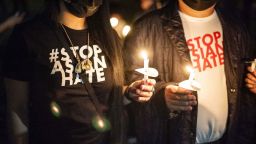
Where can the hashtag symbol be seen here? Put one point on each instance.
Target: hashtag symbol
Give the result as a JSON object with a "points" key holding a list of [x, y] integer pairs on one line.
{"points": [[54, 55]]}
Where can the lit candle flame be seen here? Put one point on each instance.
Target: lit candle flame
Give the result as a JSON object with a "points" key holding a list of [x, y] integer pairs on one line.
{"points": [[144, 54]]}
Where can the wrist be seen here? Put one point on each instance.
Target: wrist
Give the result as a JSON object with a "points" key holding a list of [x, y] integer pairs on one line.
{"points": [[127, 93]]}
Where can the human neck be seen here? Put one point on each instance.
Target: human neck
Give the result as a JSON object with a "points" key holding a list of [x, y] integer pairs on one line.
{"points": [[191, 12], [69, 20]]}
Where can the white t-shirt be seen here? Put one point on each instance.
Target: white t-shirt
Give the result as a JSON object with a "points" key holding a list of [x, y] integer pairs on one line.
{"points": [[204, 38]]}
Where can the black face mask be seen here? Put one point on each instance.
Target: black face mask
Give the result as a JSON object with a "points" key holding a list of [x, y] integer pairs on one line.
{"points": [[82, 8], [200, 5]]}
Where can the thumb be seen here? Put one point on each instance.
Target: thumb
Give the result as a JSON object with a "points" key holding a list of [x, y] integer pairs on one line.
{"points": [[171, 89]]}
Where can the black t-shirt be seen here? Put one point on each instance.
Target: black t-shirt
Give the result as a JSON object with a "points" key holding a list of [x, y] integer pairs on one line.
{"points": [[37, 54]]}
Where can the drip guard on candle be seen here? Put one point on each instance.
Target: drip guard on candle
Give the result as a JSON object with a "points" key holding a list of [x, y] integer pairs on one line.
{"points": [[190, 85]]}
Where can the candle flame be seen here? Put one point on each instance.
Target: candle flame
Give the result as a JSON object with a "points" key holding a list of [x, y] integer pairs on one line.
{"points": [[189, 69], [144, 54]]}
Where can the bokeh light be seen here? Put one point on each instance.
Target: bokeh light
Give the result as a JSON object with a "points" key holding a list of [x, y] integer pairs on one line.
{"points": [[114, 21], [101, 124], [126, 30], [55, 109]]}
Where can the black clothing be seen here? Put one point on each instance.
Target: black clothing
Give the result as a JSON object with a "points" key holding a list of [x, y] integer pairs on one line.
{"points": [[161, 34], [37, 55]]}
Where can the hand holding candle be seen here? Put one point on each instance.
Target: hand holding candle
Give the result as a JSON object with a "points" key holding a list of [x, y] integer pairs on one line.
{"points": [[250, 80], [142, 90]]}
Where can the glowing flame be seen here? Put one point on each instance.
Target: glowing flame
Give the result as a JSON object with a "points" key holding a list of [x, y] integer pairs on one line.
{"points": [[189, 69], [144, 54]]}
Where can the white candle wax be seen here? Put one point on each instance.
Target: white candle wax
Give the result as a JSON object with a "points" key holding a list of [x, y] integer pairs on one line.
{"points": [[146, 62], [191, 73], [253, 65]]}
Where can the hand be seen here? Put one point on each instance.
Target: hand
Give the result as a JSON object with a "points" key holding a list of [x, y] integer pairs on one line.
{"points": [[251, 80], [141, 90], [12, 21], [179, 99], [15, 19]]}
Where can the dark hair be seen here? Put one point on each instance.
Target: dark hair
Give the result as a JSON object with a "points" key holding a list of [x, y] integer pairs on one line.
{"points": [[100, 28]]}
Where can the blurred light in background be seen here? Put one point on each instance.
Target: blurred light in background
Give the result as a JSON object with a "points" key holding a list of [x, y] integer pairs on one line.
{"points": [[55, 109], [114, 22], [101, 124], [126, 30]]}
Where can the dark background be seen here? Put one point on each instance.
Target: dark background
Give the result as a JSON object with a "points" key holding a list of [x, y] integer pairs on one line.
{"points": [[129, 10]]}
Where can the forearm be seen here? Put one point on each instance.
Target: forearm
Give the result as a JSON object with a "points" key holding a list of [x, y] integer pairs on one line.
{"points": [[4, 26]]}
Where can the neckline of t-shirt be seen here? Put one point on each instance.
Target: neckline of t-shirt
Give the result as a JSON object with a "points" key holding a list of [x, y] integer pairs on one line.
{"points": [[74, 30], [197, 19]]}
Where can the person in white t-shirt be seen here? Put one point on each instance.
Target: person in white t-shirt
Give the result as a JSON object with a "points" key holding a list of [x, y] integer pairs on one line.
{"points": [[214, 43]]}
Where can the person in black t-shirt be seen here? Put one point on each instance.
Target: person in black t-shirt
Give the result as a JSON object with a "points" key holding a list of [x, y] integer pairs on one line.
{"points": [[48, 62]]}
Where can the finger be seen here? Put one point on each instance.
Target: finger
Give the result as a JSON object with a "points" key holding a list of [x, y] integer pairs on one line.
{"points": [[143, 93], [249, 81], [181, 108], [132, 89], [147, 88], [250, 70], [250, 86], [138, 83], [151, 82], [183, 103], [177, 90], [254, 73], [251, 77], [143, 99], [185, 97]]}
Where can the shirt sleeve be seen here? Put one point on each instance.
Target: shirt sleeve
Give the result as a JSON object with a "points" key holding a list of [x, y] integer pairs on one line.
{"points": [[16, 60]]}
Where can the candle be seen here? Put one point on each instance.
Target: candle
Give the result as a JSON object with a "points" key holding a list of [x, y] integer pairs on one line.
{"points": [[253, 65], [191, 73], [146, 62]]}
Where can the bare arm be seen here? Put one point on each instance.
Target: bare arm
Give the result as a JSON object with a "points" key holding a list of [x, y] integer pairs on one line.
{"points": [[17, 96], [11, 21]]}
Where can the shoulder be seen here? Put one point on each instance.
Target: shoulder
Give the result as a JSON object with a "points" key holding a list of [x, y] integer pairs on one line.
{"points": [[34, 26], [231, 20]]}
